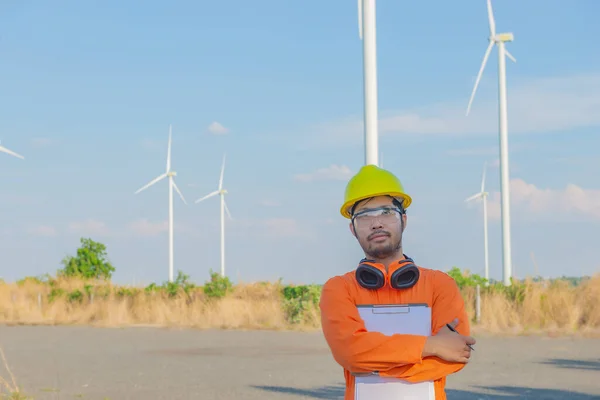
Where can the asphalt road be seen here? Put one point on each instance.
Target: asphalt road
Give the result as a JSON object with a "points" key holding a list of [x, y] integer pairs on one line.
{"points": [[150, 363]]}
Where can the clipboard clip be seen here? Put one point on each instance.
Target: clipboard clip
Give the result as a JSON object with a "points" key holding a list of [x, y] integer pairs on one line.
{"points": [[391, 310]]}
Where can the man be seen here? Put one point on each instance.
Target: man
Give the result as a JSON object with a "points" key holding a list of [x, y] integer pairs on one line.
{"points": [[375, 203]]}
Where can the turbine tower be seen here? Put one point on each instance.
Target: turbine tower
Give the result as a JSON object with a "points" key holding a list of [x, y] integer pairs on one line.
{"points": [[483, 196], [12, 153], [367, 28], [221, 192], [500, 39], [170, 174]]}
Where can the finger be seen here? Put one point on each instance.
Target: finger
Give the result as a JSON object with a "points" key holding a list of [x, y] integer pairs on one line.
{"points": [[470, 340]]}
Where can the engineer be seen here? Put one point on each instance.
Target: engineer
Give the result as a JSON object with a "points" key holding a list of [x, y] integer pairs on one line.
{"points": [[375, 203]]}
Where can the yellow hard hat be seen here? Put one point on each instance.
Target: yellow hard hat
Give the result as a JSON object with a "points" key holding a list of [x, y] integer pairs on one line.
{"points": [[372, 181]]}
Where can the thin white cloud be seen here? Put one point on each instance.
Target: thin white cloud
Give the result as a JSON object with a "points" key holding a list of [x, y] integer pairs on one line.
{"points": [[269, 203], [273, 228], [89, 226], [153, 144], [41, 142], [473, 151], [282, 226], [539, 105], [528, 198], [43, 230], [217, 128], [332, 173], [144, 227]]}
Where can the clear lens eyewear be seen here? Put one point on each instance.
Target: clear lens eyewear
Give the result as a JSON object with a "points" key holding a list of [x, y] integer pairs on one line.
{"points": [[385, 215]]}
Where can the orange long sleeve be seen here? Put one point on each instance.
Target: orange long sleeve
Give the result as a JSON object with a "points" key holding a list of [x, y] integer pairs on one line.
{"points": [[352, 346]]}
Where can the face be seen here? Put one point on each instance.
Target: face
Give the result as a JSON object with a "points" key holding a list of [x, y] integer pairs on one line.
{"points": [[378, 226]]}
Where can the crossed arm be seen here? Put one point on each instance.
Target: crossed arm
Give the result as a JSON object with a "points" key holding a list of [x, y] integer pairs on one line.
{"points": [[400, 356]]}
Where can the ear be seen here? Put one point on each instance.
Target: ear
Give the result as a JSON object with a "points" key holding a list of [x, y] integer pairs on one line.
{"points": [[403, 222], [351, 226]]}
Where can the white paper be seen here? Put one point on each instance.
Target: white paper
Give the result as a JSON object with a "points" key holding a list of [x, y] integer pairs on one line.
{"points": [[391, 319], [383, 388]]}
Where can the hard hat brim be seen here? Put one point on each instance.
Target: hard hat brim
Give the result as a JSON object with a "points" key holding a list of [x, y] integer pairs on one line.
{"points": [[345, 210]]}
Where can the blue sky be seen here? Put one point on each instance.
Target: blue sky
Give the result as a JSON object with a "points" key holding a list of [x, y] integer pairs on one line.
{"points": [[88, 94]]}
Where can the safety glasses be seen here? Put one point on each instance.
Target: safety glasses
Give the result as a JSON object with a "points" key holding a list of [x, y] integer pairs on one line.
{"points": [[385, 215]]}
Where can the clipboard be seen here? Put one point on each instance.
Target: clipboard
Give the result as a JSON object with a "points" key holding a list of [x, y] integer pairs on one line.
{"points": [[389, 319]]}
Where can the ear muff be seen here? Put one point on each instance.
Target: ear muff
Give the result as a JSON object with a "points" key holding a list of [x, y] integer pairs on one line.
{"points": [[369, 276], [405, 277]]}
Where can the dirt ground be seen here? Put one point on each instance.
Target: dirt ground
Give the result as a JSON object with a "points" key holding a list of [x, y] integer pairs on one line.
{"points": [[65, 362]]}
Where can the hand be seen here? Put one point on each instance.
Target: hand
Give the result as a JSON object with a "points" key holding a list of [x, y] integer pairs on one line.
{"points": [[448, 345]]}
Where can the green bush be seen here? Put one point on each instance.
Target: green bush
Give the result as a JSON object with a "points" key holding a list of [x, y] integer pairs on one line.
{"points": [[466, 279], [218, 286], [172, 289], [298, 299], [89, 263]]}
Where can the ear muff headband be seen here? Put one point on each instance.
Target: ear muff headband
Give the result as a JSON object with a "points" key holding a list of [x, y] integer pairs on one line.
{"points": [[373, 278]]}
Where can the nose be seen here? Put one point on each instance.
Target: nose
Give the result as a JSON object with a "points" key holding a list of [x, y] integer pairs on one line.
{"points": [[376, 224]]}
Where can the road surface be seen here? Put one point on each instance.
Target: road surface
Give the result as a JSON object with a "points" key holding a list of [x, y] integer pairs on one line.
{"points": [[68, 362]]}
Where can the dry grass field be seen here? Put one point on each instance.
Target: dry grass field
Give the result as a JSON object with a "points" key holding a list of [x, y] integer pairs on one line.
{"points": [[557, 306]]}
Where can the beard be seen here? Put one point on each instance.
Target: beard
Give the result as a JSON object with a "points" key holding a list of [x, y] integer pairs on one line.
{"points": [[384, 250]]}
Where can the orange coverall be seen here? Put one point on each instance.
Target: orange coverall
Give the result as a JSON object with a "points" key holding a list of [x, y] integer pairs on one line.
{"points": [[400, 356]]}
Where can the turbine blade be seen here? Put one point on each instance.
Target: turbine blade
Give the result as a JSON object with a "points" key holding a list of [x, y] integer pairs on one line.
{"points": [[12, 153], [475, 196], [179, 192], [216, 192], [510, 55], [491, 18], [152, 182], [222, 172], [485, 57], [169, 151], [227, 209], [360, 19]]}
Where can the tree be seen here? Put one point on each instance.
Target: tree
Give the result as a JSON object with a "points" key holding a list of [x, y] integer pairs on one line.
{"points": [[90, 263]]}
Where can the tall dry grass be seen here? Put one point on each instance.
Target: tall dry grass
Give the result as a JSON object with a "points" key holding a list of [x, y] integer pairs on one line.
{"points": [[8, 386], [246, 306], [531, 307]]}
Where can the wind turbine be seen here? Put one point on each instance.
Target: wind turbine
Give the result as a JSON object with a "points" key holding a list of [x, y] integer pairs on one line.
{"points": [[483, 196], [170, 174], [500, 39], [221, 192], [12, 153], [367, 26]]}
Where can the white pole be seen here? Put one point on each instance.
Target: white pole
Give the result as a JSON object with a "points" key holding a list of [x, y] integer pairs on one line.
{"points": [[506, 250], [222, 235], [370, 81], [485, 238], [478, 304], [170, 228]]}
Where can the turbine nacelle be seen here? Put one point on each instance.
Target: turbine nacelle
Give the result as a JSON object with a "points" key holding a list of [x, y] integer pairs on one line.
{"points": [[502, 37]]}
